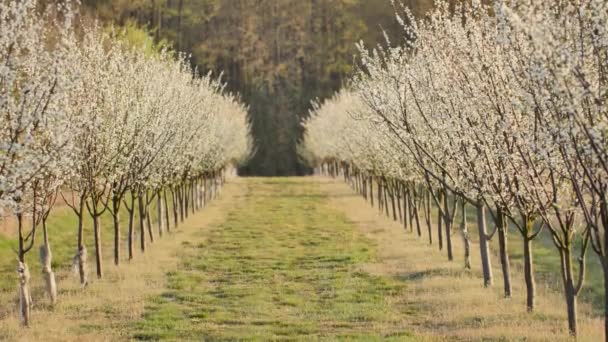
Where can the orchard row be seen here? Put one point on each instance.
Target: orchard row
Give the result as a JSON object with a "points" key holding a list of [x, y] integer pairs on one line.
{"points": [[100, 124], [501, 107]]}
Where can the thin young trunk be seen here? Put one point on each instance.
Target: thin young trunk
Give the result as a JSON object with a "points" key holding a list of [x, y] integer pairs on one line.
{"points": [[605, 268], [97, 233], [195, 207], [371, 190], [142, 224], [448, 226], [501, 227], [569, 290], [148, 218], [131, 235], [397, 192], [393, 205], [386, 209], [428, 216], [417, 219], [205, 188], [175, 204], [219, 189], [45, 259], [439, 222], [464, 227], [412, 205], [149, 222], [486, 265], [186, 194], [159, 213], [201, 192], [529, 273], [80, 259], [166, 210], [406, 210], [379, 193], [25, 297], [116, 222], [180, 194]]}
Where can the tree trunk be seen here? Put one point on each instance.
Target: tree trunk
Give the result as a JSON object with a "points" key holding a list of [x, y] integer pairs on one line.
{"points": [[175, 204], [25, 297], [195, 204], [605, 268], [464, 227], [149, 222], [448, 226], [116, 219], [166, 210], [200, 194], [194, 197], [218, 186], [180, 194], [142, 223], [371, 190], [439, 222], [393, 205], [501, 226], [428, 216], [80, 259], [417, 220], [379, 193], [205, 188], [486, 265], [406, 209], [159, 213], [411, 206], [186, 194], [131, 236], [386, 209], [569, 290], [97, 233], [529, 273], [148, 218], [397, 192], [47, 271]]}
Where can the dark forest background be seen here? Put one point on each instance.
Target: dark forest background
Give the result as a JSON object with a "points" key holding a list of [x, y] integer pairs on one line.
{"points": [[278, 54]]}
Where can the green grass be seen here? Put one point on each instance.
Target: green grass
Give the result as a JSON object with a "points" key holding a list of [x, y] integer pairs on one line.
{"points": [[545, 256], [62, 227], [282, 266]]}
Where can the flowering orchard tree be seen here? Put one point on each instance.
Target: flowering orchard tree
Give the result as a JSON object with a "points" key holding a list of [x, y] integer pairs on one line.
{"points": [[91, 118], [501, 107], [35, 128]]}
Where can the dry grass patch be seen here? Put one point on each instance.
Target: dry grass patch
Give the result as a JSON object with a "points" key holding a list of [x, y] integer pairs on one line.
{"points": [[447, 302], [106, 309]]}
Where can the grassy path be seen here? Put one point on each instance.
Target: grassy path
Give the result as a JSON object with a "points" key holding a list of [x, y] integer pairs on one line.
{"points": [[305, 258], [283, 265]]}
